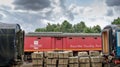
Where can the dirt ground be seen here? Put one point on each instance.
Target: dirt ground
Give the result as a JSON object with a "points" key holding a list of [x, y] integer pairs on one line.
{"points": [[27, 65], [24, 65]]}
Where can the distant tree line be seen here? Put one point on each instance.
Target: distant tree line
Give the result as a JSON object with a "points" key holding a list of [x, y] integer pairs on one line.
{"points": [[116, 21], [67, 27]]}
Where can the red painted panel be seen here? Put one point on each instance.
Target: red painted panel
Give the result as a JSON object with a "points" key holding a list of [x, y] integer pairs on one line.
{"points": [[83, 43], [74, 43], [66, 43], [53, 43], [28, 44], [44, 43], [58, 43]]}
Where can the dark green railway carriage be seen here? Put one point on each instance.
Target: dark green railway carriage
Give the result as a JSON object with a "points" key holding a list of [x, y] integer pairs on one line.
{"points": [[11, 44]]}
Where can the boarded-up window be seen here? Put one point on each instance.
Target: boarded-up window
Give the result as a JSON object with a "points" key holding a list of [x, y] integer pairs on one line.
{"points": [[105, 40]]}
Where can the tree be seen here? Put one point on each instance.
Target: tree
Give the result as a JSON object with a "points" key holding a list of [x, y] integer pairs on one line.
{"points": [[88, 30], [57, 28], [96, 29], [116, 21], [79, 27], [40, 30], [66, 26], [50, 28]]}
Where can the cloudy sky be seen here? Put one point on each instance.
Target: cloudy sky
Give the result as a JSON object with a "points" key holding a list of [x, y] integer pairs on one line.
{"points": [[31, 14]]}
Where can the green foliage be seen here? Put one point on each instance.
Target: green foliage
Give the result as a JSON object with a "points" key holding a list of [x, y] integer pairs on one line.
{"points": [[40, 30], [69, 28], [49, 28], [116, 21], [66, 26], [57, 28], [96, 29], [88, 30], [79, 27]]}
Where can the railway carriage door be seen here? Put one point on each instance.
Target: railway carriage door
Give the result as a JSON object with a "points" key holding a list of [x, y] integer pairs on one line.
{"points": [[58, 43], [105, 42], [118, 44]]}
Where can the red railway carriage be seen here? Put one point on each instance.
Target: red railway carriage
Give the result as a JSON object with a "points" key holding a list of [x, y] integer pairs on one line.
{"points": [[62, 41], [57, 41]]}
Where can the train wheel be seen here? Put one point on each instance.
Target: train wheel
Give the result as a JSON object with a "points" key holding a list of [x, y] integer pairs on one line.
{"points": [[25, 57]]}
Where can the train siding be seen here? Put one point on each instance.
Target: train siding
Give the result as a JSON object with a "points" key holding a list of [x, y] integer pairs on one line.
{"points": [[49, 43]]}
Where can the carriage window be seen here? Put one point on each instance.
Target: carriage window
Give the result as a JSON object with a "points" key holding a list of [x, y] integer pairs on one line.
{"points": [[83, 37], [70, 37], [95, 37], [39, 38], [58, 38]]}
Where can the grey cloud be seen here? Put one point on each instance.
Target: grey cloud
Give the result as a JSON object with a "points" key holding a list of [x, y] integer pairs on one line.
{"points": [[28, 21], [113, 2], [92, 19], [70, 15], [1, 16], [40, 5], [110, 12], [31, 4], [58, 2], [64, 12], [5, 7], [118, 10], [62, 3], [67, 12]]}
